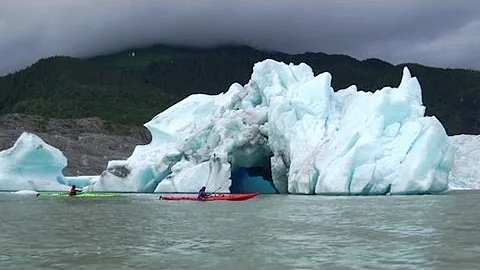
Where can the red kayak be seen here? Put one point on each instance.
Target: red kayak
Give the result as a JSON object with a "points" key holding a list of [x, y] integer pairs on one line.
{"points": [[216, 197]]}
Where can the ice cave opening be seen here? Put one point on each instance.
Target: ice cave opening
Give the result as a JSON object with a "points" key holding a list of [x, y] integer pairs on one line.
{"points": [[257, 178], [250, 180]]}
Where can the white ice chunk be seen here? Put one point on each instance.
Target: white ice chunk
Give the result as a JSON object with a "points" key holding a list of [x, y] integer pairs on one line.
{"points": [[32, 164], [26, 192], [466, 168]]}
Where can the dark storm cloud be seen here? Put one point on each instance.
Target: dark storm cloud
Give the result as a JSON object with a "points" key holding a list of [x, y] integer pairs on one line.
{"points": [[439, 33]]}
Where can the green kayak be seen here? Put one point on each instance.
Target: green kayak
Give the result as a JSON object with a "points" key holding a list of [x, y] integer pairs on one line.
{"points": [[82, 195]]}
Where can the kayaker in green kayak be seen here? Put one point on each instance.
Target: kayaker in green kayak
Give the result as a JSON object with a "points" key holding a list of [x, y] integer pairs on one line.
{"points": [[74, 191], [202, 194]]}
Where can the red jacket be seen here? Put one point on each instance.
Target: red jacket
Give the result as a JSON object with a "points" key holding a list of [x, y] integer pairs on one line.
{"points": [[73, 192]]}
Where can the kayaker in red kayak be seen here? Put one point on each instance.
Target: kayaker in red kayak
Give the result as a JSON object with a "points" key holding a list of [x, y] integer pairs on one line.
{"points": [[202, 194], [73, 191]]}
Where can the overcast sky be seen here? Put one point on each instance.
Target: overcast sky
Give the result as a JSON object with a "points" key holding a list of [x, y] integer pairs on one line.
{"points": [[443, 33]]}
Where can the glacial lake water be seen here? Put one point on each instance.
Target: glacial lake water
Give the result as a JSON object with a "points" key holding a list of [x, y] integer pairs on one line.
{"points": [[137, 231]]}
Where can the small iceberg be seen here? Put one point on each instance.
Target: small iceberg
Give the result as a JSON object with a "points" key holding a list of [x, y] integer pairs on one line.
{"points": [[25, 192]]}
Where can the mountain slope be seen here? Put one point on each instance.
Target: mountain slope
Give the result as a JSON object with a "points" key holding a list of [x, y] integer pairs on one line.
{"points": [[73, 88], [128, 89]]}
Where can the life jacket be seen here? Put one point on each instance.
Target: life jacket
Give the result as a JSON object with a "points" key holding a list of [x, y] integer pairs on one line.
{"points": [[202, 194]]}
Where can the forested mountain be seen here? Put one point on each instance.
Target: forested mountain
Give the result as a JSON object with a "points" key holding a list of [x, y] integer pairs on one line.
{"points": [[133, 86]]}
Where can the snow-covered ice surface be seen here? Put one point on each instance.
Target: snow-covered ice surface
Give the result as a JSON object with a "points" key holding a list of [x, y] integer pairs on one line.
{"points": [[32, 164], [292, 124], [25, 192], [466, 167]]}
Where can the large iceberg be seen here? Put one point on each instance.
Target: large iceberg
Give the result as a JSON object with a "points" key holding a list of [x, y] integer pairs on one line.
{"points": [[300, 135], [32, 164]]}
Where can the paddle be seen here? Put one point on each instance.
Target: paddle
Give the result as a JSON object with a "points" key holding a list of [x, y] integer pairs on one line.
{"points": [[215, 158], [207, 194], [215, 191]]}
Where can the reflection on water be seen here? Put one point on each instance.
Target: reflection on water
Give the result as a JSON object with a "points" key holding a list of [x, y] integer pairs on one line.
{"points": [[269, 232]]}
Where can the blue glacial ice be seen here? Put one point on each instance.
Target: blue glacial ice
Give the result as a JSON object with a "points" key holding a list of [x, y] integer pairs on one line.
{"points": [[291, 123], [248, 181], [32, 164]]}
